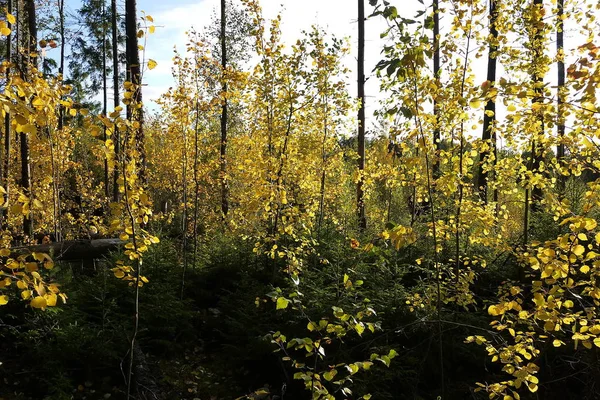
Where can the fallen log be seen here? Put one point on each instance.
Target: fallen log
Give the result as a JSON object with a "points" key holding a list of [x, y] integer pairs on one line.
{"points": [[72, 250]]}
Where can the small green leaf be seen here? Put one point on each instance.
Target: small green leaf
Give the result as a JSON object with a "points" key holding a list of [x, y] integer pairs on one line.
{"points": [[312, 326], [360, 328], [282, 303], [329, 375]]}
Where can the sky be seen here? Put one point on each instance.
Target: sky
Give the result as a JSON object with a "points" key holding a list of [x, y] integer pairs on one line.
{"points": [[338, 17]]}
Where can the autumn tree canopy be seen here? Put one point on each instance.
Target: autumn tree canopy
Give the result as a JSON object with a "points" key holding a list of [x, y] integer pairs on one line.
{"points": [[271, 231]]}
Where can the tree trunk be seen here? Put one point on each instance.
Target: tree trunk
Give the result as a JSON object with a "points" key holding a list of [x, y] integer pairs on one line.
{"points": [[360, 194], [436, 75], [7, 130], [488, 136], [25, 165], [538, 80], [135, 113], [73, 249], [104, 97], [534, 196], [115, 59], [61, 112], [224, 200], [61, 67], [560, 149]]}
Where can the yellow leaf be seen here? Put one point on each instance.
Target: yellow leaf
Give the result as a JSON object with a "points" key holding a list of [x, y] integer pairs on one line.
{"points": [[590, 224], [26, 294], [37, 103], [21, 120], [11, 18], [511, 108], [151, 28], [51, 299], [493, 310], [568, 304], [557, 343], [21, 285], [38, 302], [152, 64], [119, 273], [578, 250], [31, 266], [40, 256], [3, 300], [72, 112], [282, 303], [5, 31], [149, 18], [28, 128]]}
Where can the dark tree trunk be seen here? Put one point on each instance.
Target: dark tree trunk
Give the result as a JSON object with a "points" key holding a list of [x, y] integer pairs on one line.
{"points": [[560, 149], [104, 97], [489, 117], [7, 130], [134, 108], [61, 113], [436, 74], [223, 161], [61, 67], [24, 139], [360, 194], [115, 59], [538, 80], [534, 196]]}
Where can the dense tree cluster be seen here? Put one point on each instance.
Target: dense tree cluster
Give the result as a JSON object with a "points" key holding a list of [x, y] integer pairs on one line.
{"points": [[265, 243]]}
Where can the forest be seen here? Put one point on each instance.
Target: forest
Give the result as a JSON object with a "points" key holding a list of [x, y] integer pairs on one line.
{"points": [[261, 233]]}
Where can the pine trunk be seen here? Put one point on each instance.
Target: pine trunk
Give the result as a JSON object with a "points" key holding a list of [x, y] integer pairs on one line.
{"points": [[488, 136], [360, 195], [223, 161], [7, 130], [134, 108], [24, 138], [436, 75], [115, 59], [560, 150]]}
